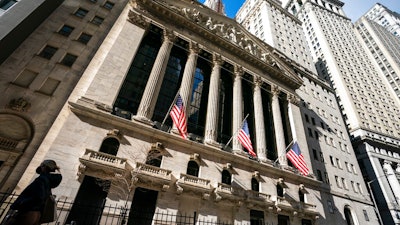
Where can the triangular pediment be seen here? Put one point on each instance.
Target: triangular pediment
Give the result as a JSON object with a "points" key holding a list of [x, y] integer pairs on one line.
{"points": [[204, 21]]}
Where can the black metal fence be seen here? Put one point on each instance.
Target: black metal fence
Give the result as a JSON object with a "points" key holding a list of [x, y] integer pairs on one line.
{"points": [[112, 215]]}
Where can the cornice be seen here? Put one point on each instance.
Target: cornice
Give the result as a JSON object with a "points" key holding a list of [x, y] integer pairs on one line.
{"points": [[221, 31]]}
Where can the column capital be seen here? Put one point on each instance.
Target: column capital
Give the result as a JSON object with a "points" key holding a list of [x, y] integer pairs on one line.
{"points": [[258, 81], [169, 35], [217, 59], [194, 47], [293, 99], [238, 70], [138, 20], [275, 90]]}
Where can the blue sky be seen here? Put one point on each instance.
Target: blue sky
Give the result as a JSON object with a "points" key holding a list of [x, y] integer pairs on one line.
{"points": [[354, 9]]}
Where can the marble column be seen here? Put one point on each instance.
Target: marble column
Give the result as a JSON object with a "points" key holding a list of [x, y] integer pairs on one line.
{"points": [[392, 179], [188, 78], [213, 103], [259, 120], [150, 94], [237, 108], [293, 101], [278, 126]]}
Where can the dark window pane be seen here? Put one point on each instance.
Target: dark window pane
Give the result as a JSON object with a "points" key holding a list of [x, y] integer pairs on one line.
{"points": [[97, 20], [7, 4], [108, 5], [66, 30], [84, 38], [81, 12], [68, 59], [226, 177], [193, 169], [48, 52], [255, 185]]}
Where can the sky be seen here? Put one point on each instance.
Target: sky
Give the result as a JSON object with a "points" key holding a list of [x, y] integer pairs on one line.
{"points": [[354, 9]]}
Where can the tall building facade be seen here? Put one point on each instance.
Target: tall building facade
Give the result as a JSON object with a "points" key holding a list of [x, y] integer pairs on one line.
{"points": [[385, 17], [20, 18], [116, 144], [369, 106], [384, 49], [40, 74], [271, 23], [329, 144]]}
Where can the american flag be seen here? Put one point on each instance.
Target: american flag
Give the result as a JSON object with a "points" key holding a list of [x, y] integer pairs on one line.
{"points": [[297, 159], [244, 138], [178, 116]]}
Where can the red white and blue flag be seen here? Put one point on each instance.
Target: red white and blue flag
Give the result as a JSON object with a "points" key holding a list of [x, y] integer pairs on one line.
{"points": [[244, 138], [297, 159], [178, 116]]}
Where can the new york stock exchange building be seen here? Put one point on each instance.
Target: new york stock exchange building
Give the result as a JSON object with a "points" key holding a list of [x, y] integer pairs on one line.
{"points": [[122, 158]]}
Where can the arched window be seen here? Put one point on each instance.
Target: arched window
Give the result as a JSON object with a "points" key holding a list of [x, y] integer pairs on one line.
{"points": [[193, 168], [110, 146], [349, 216], [255, 186], [154, 158], [279, 190], [226, 177]]}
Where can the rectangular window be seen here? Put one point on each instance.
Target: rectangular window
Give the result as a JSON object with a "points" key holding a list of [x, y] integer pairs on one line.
{"points": [[315, 154], [97, 20], [81, 13], [25, 78], [84, 38], [7, 4], [108, 5], [49, 86], [68, 60], [66, 30], [330, 207], [256, 217], [283, 220], [366, 217], [319, 175], [326, 178], [48, 52]]}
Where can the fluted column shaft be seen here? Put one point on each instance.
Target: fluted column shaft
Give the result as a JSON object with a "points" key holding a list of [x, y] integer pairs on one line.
{"points": [[237, 108], [278, 126], [150, 94], [392, 179], [259, 120], [188, 75], [213, 102]]}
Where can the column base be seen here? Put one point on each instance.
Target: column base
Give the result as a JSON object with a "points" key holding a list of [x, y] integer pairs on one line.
{"points": [[142, 119], [212, 143]]}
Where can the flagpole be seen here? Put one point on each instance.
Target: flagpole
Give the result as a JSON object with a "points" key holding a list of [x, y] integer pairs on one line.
{"points": [[240, 127], [284, 151], [170, 108]]}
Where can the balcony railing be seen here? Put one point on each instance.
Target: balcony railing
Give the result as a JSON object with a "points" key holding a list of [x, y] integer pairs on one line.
{"points": [[152, 173], [258, 196], [99, 162], [308, 208], [195, 184], [281, 202]]}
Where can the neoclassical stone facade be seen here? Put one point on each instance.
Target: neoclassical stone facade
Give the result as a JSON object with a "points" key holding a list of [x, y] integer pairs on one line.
{"points": [[117, 145]]}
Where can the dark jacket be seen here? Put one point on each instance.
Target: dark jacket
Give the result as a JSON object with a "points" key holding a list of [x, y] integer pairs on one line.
{"points": [[34, 196]]}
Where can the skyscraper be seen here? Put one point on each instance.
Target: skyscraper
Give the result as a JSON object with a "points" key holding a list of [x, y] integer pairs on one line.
{"points": [[383, 48], [334, 162], [369, 106], [115, 145], [385, 17]]}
